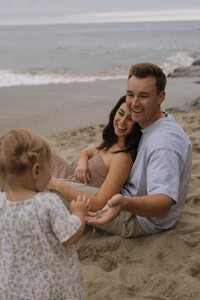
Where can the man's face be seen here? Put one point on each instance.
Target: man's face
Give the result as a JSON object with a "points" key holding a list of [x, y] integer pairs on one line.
{"points": [[143, 101]]}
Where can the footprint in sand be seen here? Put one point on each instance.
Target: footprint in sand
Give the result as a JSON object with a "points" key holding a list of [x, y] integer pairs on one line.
{"points": [[194, 268], [109, 263], [94, 251], [192, 240]]}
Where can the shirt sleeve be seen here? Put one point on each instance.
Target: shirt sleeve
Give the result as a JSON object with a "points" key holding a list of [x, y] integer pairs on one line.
{"points": [[63, 223], [163, 173]]}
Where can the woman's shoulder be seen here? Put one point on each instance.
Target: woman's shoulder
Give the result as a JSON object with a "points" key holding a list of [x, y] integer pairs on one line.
{"points": [[123, 154], [112, 158], [122, 157]]}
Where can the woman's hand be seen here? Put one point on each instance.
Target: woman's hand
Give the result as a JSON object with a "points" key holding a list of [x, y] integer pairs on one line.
{"points": [[81, 172], [107, 214]]}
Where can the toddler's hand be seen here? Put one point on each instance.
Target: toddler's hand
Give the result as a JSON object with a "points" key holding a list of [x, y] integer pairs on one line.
{"points": [[80, 206]]}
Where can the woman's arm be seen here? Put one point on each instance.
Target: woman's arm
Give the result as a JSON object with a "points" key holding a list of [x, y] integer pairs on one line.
{"points": [[81, 172], [119, 170]]}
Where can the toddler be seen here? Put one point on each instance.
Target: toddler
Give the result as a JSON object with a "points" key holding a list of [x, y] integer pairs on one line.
{"points": [[37, 258]]}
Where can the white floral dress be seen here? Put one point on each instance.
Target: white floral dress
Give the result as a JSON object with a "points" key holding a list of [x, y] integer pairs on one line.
{"points": [[33, 262]]}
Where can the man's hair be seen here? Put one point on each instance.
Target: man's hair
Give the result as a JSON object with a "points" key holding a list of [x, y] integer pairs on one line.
{"points": [[143, 70]]}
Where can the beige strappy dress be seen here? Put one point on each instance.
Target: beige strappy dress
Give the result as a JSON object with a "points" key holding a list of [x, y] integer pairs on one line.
{"points": [[97, 169]]}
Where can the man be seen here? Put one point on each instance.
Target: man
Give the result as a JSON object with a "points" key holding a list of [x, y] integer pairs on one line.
{"points": [[156, 189]]}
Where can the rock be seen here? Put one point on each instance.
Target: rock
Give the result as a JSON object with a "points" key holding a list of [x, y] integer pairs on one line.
{"points": [[196, 62], [191, 71], [195, 104]]}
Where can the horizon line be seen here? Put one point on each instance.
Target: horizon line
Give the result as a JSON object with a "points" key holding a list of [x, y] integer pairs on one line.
{"points": [[111, 17], [97, 22]]}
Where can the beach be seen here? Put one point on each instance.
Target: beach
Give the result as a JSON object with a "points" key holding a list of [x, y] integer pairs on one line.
{"points": [[54, 108], [164, 266], [61, 81]]}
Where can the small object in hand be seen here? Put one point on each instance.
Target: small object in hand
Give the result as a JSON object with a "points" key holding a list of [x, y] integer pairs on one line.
{"points": [[100, 213]]}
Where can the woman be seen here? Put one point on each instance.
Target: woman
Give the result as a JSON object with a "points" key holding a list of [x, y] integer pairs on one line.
{"points": [[106, 165]]}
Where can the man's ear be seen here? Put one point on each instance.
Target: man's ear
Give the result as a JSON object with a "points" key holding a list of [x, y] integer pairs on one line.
{"points": [[161, 97], [36, 171]]}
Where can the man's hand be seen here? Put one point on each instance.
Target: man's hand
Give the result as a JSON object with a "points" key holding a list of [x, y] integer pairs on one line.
{"points": [[107, 214]]}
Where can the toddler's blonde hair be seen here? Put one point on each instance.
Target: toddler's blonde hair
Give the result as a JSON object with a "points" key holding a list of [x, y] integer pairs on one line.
{"points": [[20, 149]]}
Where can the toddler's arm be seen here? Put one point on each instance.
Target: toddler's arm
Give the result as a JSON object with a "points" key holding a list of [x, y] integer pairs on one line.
{"points": [[79, 207]]}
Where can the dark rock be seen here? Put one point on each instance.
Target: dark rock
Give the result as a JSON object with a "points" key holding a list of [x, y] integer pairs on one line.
{"points": [[195, 104], [191, 71], [196, 62]]}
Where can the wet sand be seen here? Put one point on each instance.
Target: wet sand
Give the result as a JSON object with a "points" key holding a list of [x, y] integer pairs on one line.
{"points": [[55, 108]]}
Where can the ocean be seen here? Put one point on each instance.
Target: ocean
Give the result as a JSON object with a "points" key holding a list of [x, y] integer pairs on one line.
{"points": [[44, 54]]}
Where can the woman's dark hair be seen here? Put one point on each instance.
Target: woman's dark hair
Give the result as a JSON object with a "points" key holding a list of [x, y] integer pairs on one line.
{"points": [[110, 138]]}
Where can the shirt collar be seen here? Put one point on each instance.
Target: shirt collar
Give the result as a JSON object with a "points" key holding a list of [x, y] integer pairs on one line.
{"points": [[155, 124]]}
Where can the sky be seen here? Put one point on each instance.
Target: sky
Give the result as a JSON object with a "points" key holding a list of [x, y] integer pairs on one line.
{"points": [[16, 12]]}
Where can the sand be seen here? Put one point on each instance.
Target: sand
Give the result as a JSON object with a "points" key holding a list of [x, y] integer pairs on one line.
{"points": [[55, 108], [158, 267], [164, 266]]}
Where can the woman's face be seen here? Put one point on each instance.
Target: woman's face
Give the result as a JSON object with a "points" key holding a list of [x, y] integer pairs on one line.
{"points": [[123, 124]]}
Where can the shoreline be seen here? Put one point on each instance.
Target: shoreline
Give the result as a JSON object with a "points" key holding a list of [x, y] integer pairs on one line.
{"points": [[54, 108]]}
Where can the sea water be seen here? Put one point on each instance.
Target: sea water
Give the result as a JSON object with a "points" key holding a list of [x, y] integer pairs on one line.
{"points": [[44, 54]]}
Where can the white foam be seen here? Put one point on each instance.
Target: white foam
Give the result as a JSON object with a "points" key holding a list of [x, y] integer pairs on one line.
{"points": [[13, 78], [21, 78], [180, 59]]}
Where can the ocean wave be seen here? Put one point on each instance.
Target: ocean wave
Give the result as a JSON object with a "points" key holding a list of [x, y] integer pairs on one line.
{"points": [[38, 77], [180, 59], [16, 78]]}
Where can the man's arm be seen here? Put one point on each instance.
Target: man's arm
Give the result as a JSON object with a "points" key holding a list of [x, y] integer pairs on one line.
{"points": [[149, 206]]}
